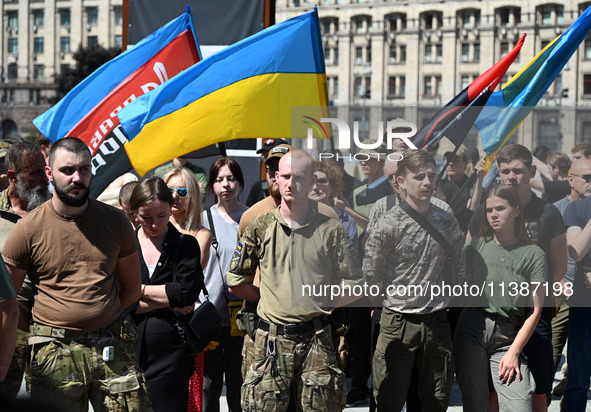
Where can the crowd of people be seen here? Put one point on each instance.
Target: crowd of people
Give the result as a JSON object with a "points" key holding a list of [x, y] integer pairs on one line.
{"points": [[93, 300]]}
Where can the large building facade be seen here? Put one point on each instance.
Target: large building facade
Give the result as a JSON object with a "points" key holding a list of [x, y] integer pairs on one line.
{"points": [[404, 59], [384, 59], [37, 41]]}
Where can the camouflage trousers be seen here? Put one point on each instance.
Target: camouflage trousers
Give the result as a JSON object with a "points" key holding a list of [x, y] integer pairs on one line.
{"points": [[18, 366], [247, 355], [68, 369], [304, 367]]}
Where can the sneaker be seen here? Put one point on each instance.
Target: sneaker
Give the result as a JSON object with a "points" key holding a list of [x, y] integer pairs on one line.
{"points": [[558, 389], [357, 396]]}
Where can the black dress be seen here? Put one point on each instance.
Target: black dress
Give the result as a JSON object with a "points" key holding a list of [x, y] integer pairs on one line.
{"points": [[166, 364]]}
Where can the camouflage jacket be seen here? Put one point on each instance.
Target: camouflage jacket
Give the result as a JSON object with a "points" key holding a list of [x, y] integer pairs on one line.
{"points": [[404, 260]]}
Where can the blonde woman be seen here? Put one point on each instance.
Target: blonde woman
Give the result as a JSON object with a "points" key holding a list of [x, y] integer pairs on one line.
{"points": [[186, 217]]}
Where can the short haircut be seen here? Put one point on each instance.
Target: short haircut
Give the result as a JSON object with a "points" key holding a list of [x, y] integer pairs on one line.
{"points": [[515, 152], [584, 148], [215, 168], [191, 221], [126, 191], [17, 155], [299, 155], [334, 174], [560, 160], [148, 190], [69, 144], [42, 140], [413, 160], [541, 152], [512, 197]]}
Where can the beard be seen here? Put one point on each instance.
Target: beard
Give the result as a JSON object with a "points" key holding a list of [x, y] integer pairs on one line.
{"points": [[70, 200], [34, 196]]}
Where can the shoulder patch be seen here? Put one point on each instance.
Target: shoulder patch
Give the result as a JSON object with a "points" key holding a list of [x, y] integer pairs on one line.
{"points": [[236, 256]]}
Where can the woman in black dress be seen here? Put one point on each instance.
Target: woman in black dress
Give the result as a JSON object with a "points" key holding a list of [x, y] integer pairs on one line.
{"points": [[171, 281]]}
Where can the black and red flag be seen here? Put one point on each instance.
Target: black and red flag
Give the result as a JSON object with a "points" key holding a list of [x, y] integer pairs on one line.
{"points": [[475, 95]]}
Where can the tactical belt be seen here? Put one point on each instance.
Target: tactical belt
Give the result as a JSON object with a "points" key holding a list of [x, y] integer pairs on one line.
{"points": [[37, 329], [297, 329]]}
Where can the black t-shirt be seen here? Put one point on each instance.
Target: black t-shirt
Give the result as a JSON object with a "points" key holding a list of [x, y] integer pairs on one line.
{"points": [[258, 191], [449, 188], [578, 213], [554, 190]]}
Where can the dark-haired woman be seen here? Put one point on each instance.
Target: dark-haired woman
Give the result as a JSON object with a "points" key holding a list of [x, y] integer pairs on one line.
{"points": [[489, 340], [225, 182], [171, 281]]}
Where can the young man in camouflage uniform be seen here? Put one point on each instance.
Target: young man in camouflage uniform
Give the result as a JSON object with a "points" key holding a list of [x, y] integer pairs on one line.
{"points": [[81, 256], [415, 331], [294, 246]]}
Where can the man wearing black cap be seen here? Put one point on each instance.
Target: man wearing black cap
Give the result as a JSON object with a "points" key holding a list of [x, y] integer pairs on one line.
{"points": [[260, 190]]}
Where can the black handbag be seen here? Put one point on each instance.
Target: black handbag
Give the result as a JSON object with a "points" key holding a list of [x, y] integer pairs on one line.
{"points": [[199, 328]]}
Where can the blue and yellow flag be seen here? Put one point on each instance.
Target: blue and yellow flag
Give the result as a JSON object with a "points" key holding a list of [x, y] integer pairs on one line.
{"points": [[246, 90], [507, 108]]}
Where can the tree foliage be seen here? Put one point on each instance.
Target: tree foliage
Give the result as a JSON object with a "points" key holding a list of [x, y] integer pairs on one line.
{"points": [[87, 59]]}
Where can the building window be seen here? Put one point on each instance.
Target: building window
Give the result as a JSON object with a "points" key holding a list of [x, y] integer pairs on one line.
{"points": [[438, 53], [38, 72], [38, 17], [432, 20], [476, 57], [396, 87], [358, 56], [428, 53], [12, 71], [509, 16], [465, 81], [64, 17], [34, 96], [333, 87], [118, 15], [465, 53], [361, 24], [92, 15], [587, 55], [402, 54], [368, 54], [38, 45], [432, 86], [360, 90], [92, 42], [504, 48], [13, 46], [587, 85], [551, 14], [65, 44], [12, 17], [329, 25], [396, 22]]}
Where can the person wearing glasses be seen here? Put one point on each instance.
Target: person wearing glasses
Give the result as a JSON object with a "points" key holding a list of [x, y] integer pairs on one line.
{"points": [[186, 218], [225, 183], [579, 179]]}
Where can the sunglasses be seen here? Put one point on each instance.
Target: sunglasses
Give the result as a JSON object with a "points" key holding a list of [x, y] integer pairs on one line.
{"points": [[181, 191], [272, 169], [587, 178]]}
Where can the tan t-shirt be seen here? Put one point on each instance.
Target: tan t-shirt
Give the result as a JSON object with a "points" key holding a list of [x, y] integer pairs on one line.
{"points": [[72, 262]]}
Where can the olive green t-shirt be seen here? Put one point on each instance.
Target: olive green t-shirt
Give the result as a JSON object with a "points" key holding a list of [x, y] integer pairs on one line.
{"points": [[511, 269], [7, 291], [315, 254]]}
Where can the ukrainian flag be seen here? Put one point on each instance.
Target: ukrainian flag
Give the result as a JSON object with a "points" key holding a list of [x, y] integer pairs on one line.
{"points": [[246, 90], [507, 108]]}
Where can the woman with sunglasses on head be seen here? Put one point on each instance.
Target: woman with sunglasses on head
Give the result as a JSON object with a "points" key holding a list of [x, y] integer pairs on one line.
{"points": [[225, 182], [171, 282], [186, 217], [489, 340]]}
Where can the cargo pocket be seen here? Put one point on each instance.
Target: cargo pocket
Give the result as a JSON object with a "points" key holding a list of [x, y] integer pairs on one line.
{"points": [[260, 392], [323, 390], [127, 393]]}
